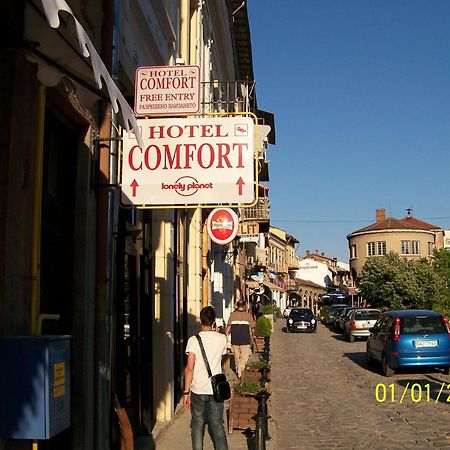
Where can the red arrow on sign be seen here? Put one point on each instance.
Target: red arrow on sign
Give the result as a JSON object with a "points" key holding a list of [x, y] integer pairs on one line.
{"points": [[240, 182], [134, 185]]}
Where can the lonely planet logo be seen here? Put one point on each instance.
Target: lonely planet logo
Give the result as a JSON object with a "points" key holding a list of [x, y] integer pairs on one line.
{"points": [[186, 186]]}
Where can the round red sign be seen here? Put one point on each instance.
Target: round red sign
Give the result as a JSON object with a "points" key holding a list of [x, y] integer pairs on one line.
{"points": [[222, 225]]}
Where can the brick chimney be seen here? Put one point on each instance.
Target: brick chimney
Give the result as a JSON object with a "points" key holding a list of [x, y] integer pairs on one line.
{"points": [[380, 214]]}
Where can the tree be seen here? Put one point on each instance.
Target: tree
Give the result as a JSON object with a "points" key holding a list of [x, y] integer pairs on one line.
{"points": [[441, 264], [393, 282]]}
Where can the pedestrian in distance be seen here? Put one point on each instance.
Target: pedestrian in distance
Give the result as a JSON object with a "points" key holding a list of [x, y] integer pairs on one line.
{"points": [[241, 326], [198, 394]]}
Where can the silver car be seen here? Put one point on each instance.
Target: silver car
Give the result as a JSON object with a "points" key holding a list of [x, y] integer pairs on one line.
{"points": [[359, 323], [343, 317]]}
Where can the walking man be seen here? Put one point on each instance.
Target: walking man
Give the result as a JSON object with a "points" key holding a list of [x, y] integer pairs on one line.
{"points": [[241, 326], [198, 395]]}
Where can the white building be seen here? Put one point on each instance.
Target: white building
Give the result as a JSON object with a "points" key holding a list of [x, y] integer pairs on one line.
{"points": [[315, 271]]}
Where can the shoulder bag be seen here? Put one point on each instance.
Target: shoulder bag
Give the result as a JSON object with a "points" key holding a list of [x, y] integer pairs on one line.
{"points": [[220, 386]]}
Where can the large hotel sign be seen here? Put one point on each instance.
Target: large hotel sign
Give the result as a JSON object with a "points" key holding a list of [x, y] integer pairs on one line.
{"points": [[199, 161]]}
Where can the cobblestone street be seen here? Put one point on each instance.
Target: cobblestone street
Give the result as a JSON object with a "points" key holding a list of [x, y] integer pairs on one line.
{"points": [[325, 396]]}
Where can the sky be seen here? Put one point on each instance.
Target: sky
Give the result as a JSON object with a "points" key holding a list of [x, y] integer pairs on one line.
{"points": [[360, 90]]}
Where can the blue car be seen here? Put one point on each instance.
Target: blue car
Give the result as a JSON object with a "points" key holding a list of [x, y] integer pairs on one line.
{"points": [[409, 338]]}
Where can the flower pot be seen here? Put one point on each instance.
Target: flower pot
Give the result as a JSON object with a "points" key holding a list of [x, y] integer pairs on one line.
{"points": [[259, 344], [243, 408], [251, 374]]}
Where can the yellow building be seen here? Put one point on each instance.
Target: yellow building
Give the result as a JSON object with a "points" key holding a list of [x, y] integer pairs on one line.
{"points": [[409, 237]]}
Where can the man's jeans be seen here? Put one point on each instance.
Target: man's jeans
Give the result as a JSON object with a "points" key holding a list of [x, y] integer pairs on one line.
{"points": [[205, 410]]}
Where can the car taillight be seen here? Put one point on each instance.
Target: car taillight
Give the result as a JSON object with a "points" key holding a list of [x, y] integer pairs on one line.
{"points": [[352, 325], [397, 329], [445, 320]]}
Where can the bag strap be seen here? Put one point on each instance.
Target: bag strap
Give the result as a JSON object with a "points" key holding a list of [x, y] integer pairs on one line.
{"points": [[204, 354]]}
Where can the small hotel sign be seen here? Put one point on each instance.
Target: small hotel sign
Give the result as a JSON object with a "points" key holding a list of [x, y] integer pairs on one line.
{"points": [[167, 90]]}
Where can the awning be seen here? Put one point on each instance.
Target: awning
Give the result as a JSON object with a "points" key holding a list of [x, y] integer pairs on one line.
{"points": [[51, 9], [272, 287]]}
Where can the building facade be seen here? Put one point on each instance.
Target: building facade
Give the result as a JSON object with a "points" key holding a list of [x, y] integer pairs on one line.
{"points": [[409, 237], [126, 284]]}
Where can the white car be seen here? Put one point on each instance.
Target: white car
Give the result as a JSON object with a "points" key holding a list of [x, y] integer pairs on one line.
{"points": [[288, 310]]}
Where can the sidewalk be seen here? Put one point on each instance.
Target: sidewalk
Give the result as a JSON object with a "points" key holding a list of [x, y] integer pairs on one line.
{"points": [[177, 434]]}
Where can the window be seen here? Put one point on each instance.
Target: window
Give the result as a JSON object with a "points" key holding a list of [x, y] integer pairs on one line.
{"points": [[370, 248], [381, 248], [410, 247], [405, 247], [422, 325], [353, 253], [430, 248]]}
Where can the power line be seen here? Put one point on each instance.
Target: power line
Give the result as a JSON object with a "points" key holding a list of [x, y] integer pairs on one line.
{"points": [[343, 221], [317, 221]]}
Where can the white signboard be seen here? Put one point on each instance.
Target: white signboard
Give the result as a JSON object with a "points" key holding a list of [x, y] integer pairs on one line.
{"points": [[167, 90], [190, 161], [446, 238]]}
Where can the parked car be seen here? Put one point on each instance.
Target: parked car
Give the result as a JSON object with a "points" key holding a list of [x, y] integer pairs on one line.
{"points": [[359, 323], [410, 338], [288, 310], [301, 319], [329, 320], [343, 317]]}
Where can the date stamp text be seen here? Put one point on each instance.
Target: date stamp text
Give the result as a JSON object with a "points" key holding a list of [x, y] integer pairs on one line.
{"points": [[414, 392]]}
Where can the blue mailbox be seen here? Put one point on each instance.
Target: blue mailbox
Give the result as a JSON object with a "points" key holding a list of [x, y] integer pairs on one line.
{"points": [[34, 386]]}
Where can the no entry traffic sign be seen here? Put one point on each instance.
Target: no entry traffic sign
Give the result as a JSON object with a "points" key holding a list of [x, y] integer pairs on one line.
{"points": [[222, 225], [201, 161]]}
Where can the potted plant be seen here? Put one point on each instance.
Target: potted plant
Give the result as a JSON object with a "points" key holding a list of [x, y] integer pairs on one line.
{"points": [[263, 329], [243, 405], [267, 309], [278, 313], [255, 369]]}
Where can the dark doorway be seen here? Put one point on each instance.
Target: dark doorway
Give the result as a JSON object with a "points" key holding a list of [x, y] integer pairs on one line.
{"points": [[134, 361], [57, 236]]}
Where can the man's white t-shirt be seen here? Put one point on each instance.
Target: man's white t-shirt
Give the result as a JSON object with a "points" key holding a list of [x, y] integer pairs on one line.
{"points": [[215, 345]]}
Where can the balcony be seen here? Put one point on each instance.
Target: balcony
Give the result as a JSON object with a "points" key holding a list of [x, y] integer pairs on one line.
{"points": [[294, 285], [259, 212], [227, 96]]}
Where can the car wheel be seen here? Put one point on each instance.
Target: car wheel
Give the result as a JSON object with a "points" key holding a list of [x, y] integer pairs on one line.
{"points": [[387, 371], [369, 360], [351, 338], [288, 330], [446, 370]]}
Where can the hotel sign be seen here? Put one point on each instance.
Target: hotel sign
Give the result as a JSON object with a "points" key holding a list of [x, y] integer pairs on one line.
{"points": [[201, 161], [167, 90]]}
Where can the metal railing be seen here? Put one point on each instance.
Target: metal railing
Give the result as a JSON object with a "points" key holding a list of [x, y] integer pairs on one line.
{"points": [[227, 96], [258, 212]]}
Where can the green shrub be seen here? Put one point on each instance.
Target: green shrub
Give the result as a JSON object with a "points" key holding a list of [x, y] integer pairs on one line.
{"points": [[277, 310], [258, 364], [263, 327], [246, 387], [267, 309], [324, 311]]}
